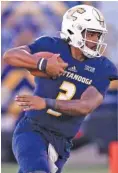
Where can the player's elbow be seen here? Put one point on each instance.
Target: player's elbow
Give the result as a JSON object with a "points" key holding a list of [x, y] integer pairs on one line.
{"points": [[86, 109], [13, 56], [8, 55]]}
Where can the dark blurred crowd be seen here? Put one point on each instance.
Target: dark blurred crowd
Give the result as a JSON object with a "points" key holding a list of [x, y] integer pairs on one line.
{"points": [[23, 21]]}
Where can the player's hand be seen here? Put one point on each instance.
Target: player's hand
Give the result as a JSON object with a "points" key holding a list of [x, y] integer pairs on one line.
{"points": [[55, 67], [28, 102]]}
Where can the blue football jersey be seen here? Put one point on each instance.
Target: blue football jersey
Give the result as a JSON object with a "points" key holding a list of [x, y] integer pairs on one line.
{"points": [[78, 76]]}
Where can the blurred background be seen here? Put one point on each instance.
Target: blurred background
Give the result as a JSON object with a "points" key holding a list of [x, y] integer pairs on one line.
{"points": [[22, 22]]}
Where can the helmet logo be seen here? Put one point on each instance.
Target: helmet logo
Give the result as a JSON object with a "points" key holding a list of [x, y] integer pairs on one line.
{"points": [[72, 13], [81, 10]]}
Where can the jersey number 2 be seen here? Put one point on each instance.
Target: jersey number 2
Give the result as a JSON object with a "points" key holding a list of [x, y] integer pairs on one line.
{"points": [[69, 89]]}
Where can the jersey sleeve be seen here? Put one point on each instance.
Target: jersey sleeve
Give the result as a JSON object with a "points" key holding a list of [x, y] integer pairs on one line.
{"points": [[42, 44], [113, 73], [101, 85], [110, 73]]}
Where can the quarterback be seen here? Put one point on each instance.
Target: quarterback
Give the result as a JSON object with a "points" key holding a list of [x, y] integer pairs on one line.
{"points": [[76, 87]]}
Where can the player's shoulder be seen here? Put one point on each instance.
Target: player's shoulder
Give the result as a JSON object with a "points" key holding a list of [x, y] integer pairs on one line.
{"points": [[45, 38], [47, 43], [103, 63], [107, 63], [109, 67], [50, 40]]}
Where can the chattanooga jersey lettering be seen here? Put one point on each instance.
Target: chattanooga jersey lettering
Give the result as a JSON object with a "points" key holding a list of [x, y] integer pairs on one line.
{"points": [[77, 77]]}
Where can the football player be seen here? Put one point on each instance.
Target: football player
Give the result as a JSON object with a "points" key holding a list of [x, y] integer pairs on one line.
{"points": [[42, 138]]}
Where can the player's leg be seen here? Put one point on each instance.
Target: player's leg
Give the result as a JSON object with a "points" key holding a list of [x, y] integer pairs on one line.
{"points": [[30, 151], [33, 171], [60, 164], [19, 171]]}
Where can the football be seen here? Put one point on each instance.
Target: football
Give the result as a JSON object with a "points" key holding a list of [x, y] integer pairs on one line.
{"points": [[42, 55]]}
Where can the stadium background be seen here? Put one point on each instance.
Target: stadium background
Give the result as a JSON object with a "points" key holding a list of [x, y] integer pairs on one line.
{"points": [[23, 21]]}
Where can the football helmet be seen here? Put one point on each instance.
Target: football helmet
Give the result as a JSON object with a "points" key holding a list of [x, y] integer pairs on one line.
{"points": [[84, 18]]}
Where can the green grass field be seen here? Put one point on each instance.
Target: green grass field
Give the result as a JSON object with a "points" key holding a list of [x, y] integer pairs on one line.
{"points": [[12, 168]]}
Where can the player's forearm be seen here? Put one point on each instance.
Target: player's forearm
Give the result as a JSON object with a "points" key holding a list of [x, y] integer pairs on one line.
{"points": [[71, 107], [20, 58]]}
